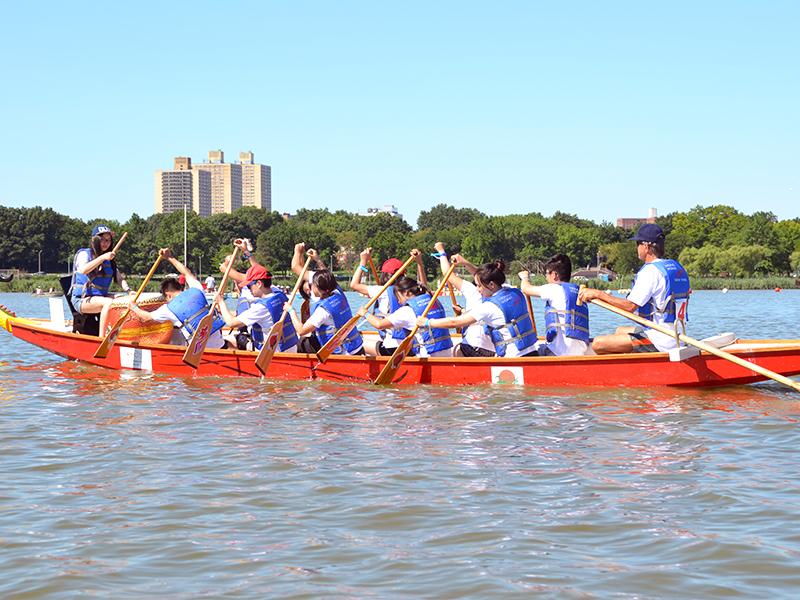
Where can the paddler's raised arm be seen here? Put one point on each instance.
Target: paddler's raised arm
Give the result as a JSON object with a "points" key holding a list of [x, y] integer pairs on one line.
{"points": [[355, 282], [445, 265], [422, 277], [179, 266]]}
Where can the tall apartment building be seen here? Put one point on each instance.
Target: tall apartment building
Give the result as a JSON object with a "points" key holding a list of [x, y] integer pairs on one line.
{"points": [[183, 187], [216, 186], [226, 182], [256, 182]]}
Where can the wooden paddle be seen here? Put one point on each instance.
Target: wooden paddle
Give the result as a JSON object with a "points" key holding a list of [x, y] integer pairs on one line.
{"points": [[698, 344], [530, 312], [111, 337], [275, 334], [119, 243], [343, 332], [394, 362], [455, 303], [197, 345], [374, 270]]}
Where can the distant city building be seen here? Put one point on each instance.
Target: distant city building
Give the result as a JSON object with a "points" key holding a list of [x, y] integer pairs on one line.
{"points": [[387, 208], [214, 186], [183, 188], [256, 182], [634, 223]]}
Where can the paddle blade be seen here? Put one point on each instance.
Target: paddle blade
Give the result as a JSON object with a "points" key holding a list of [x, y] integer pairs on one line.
{"points": [[393, 364], [197, 345], [111, 337], [337, 339], [270, 347]]}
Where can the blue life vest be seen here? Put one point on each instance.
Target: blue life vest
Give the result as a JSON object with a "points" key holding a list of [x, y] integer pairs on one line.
{"points": [[512, 303], [243, 303], [398, 333], [576, 318], [90, 285], [434, 340], [678, 287], [337, 307], [190, 307], [274, 303]]}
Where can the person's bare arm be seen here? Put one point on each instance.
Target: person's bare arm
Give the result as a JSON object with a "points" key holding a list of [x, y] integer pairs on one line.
{"points": [[448, 322], [588, 294], [444, 264], [355, 282]]}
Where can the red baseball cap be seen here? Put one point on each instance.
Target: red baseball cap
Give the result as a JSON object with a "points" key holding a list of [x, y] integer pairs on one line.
{"points": [[255, 273], [391, 266]]}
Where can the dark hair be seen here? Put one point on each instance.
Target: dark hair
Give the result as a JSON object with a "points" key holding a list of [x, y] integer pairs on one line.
{"points": [[303, 291], [170, 284], [561, 264], [658, 248], [95, 250], [492, 272], [384, 277], [325, 281], [407, 285]]}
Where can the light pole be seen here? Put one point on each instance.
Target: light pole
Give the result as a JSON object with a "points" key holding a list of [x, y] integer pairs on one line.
{"points": [[40, 261]]}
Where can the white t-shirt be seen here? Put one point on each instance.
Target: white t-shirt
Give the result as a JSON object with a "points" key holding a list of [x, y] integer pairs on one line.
{"points": [[561, 345], [406, 318], [258, 313], [490, 314], [474, 335], [651, 284], [210, 283], [321, 317], [163, 314]]}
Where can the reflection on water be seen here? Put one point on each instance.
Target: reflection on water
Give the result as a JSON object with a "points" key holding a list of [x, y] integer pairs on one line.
{"points": [[135, 485]]}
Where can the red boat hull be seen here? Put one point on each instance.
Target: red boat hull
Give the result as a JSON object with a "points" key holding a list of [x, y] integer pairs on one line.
{"points": [[625, 370]]}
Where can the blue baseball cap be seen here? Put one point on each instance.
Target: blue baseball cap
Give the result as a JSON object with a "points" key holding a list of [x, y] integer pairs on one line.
{"points": [[100, 229], [648, 232]]}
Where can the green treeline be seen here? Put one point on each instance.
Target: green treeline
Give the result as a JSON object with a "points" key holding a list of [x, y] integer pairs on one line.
{"points": [[709, 241]]}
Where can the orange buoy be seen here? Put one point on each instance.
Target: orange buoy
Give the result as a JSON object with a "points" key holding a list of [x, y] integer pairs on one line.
{"points": [[777, 289]]}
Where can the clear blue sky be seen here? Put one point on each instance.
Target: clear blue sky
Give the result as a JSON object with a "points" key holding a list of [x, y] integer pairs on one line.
{"points": [[600, 109]]}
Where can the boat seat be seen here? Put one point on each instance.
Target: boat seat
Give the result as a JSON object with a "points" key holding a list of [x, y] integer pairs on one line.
{"points": [[85, 324]]}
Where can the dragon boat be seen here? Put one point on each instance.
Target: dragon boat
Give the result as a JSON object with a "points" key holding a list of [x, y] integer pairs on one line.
{"points": [[136, 350]]}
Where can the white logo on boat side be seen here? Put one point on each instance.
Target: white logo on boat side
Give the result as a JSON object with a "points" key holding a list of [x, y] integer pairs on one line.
{"points": [[135, 358], [508, 375]]}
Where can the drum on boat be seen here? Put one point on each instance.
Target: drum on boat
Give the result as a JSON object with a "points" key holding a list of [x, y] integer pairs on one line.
{"points": [[134, 330]]}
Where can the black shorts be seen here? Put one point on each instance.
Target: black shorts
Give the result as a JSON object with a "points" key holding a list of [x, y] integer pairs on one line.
{"points": [[308, 345], [641, 343], [472, 351], [383, 351]]}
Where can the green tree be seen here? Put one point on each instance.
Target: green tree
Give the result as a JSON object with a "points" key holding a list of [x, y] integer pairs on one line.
{"points": [[620, 257], [719, 225], [388, 236], [794, 260], [579, 243], [740, 261], [201, 239], [443, 217]]}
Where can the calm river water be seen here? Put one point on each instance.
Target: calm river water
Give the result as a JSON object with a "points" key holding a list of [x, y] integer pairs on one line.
{"points": [[130, 485]]}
